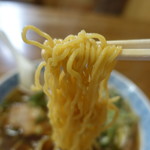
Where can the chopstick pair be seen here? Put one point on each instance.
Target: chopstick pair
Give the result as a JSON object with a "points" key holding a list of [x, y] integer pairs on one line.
{"points": [[133, 49]]}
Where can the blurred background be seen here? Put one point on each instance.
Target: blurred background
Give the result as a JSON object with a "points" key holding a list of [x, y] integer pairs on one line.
{"points": [[133, 9]]}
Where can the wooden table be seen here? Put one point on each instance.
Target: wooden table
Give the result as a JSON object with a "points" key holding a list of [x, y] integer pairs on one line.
{"points": [[60, 23]]}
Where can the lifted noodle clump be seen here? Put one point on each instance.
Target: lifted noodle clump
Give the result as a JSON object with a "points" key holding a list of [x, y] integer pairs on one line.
{"points": [[76, 73]]}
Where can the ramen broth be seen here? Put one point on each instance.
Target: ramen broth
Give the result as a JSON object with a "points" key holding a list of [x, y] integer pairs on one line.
{"points": [[24, 125]]}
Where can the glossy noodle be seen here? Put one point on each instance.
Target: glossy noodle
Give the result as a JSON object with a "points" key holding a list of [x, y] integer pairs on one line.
{"points": [[76, 72]]}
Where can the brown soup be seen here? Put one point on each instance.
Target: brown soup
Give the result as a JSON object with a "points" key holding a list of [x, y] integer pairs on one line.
{"points": [[24, 125]]}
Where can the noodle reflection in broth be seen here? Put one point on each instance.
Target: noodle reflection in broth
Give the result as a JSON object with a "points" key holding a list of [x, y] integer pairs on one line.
{"points": [[76, 73]]}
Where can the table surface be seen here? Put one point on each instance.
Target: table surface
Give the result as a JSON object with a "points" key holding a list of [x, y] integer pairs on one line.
{"points": [[59, 23]]}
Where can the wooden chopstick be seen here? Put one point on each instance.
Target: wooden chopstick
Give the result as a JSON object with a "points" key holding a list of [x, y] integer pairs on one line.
{"points": [[135, 54], [133, 49], [141, 43]]}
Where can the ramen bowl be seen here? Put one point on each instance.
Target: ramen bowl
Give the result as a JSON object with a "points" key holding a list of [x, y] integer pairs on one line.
{"points": [[130, 92]]}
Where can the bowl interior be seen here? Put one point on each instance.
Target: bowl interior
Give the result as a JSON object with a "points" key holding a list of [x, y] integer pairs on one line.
{"points": [[131, 93], [139, 103]]}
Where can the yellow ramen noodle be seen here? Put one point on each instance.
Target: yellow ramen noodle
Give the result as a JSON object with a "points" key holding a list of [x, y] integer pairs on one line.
{"points": [[76, 73]]}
